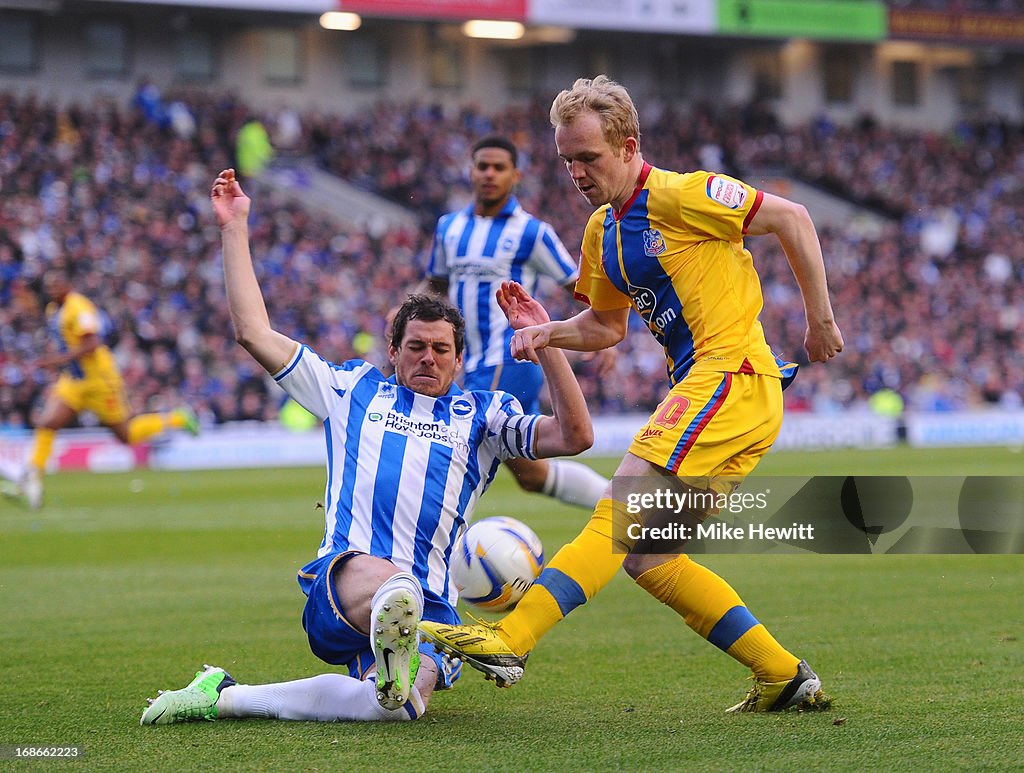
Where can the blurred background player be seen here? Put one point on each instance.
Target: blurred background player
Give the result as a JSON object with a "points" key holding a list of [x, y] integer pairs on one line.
{"points": [[89, 381], [9, 475], [408, 458], [670, 246], [494, 240]]}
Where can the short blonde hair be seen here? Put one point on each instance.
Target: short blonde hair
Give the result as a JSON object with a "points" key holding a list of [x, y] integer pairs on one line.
{"points": [[603, 96]]}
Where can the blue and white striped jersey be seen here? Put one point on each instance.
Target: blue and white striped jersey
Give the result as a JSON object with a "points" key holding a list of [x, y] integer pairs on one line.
{"points": [[404, 470], [476, 254]]}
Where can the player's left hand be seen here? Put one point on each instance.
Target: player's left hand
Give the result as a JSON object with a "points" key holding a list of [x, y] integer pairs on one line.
{"points": [[823, 341], [521, 309], [528, 341]]}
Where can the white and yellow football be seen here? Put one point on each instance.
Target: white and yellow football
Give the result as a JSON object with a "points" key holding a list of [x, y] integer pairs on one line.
{"points": [[495, 561]]}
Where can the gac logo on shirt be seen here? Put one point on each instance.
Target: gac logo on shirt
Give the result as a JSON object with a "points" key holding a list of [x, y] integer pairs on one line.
{"points": [[646, 303], [654, 243], [728, 192], [644, 299]]}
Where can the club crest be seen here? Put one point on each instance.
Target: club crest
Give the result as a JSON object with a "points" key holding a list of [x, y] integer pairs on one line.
{"points": [[654, 243]]}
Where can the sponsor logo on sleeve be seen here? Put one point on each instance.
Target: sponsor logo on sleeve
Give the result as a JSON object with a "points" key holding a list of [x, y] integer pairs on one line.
{"points": [[727, 192]]}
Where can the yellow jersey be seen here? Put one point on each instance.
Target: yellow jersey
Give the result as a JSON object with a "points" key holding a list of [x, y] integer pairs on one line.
{"points": [[73, 320], [675, 253]]}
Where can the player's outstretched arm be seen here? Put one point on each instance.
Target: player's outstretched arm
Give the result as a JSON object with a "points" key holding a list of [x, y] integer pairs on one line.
{"points": [[88, 343], [568, 431], [245, 300], [588, 331], [792, 225]]}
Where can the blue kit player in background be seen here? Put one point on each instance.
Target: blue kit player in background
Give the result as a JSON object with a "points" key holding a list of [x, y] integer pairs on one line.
{"points": [[494, 240], [407, 459]]}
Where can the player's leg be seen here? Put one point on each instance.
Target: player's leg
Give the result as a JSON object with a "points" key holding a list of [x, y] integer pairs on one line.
{"points": [[712, 608], [346, 597], [387, 605], [10, 474], [108, 399], [738, 431], [568, 481], [214, 694], [573, 483], [148, 425], [60, 408], [343, 593], [8, 470], [141, 428]]}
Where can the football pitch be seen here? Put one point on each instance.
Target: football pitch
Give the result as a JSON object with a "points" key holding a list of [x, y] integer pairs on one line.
{"points": [[126, 583]]}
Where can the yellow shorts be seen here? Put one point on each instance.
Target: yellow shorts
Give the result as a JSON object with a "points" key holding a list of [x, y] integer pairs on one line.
{"points": [[713, 426], [103, 396]]}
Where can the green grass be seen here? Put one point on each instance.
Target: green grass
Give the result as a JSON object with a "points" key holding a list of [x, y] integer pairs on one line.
{"points": [[127, 583]]}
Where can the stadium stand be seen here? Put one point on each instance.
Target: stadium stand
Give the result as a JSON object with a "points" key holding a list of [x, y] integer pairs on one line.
{"points": [[931, 302]]}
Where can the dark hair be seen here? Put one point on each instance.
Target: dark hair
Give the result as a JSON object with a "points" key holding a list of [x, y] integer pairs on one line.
{"points": [[496, 141], [428, 308]]}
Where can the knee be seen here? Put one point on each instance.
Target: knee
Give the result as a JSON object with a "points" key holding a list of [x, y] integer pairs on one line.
{"points": [[531, 478], [638, 563], [50, 422], [531, 483], [121, 433]]}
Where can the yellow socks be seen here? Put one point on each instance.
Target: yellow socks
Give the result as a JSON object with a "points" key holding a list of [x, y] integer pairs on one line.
{"points": [[713, 609], [42, 448], [146, 425], [140, 428], [576, 573]]}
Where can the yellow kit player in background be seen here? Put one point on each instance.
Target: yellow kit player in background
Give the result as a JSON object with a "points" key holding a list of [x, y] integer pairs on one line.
{"points": [[89, 381]]}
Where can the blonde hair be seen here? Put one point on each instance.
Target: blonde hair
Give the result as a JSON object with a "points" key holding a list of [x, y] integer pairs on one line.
{"points": [[603, 96]]}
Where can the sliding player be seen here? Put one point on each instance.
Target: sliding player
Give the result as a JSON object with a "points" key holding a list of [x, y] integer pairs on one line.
{"points": [[407, 459]]}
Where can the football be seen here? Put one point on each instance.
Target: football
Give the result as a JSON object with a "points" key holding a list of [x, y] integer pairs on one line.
{"points": [[495, 562]]}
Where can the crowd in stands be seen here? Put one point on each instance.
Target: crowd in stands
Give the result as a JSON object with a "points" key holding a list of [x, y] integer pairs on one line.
{"points": [[931, 305]]}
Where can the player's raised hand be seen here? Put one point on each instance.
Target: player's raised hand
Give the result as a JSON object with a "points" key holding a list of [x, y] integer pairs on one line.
{"points": [[230, 204], [527, 317], [521, 309]]}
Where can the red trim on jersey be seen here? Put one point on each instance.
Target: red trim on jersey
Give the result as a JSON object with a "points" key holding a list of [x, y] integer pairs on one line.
{"points": [[581, 297], [746, 367], [753, 210], [711, 411], [645, 172]]}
